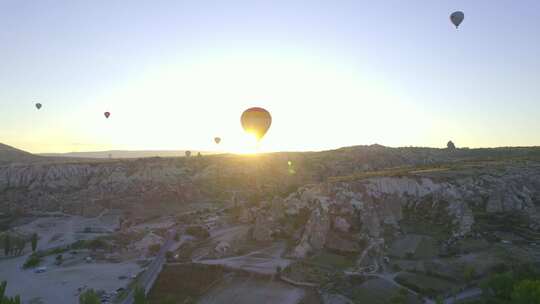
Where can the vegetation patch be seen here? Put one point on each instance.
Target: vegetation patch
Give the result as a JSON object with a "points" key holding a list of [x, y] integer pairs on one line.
{"points": [[184, 283], [414, 246], [304, 271], [378, 291], [32, 261], [338, 262], [424, 284]]}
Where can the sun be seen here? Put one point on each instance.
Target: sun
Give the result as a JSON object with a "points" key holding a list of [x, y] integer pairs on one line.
{"points": [[245, 144]]}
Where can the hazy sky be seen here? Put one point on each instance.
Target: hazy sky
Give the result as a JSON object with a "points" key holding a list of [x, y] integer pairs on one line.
{"points": [[174, 74]]}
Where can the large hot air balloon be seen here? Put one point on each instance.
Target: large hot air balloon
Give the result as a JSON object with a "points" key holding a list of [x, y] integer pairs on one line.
{"points": [[107, 114], [457, 18], [217, 140], [256, 121], [188, 153], [38, 105]]}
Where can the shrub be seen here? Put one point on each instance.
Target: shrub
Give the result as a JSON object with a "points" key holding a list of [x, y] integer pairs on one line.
{"points": [[526, 292], [140, 296], [7, 300], [89, 297], [468, 274], [154, 249], [32, 261]]}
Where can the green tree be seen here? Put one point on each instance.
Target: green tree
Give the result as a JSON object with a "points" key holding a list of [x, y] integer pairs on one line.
{"points": [[439, 300], [500, 286], [7, 300], [526, 292], [34, 241], [89, 297], [140, 296], [7, 244], [59, 259], [468, 274], [400, 297]]}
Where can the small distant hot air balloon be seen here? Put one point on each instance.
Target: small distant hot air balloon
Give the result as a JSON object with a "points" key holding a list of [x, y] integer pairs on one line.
{"points": [[217, 140], [38, 105], [107, 114], [256, 121], [457, 18], [188, 153]]}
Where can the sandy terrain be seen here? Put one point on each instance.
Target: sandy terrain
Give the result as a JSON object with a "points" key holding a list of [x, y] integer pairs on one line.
{"points": [[57, 231], [247, 290], [59, 284]]}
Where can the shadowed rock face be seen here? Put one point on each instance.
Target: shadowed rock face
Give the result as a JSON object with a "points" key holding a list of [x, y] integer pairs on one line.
{"points": [[363, 208], [87, 188]]}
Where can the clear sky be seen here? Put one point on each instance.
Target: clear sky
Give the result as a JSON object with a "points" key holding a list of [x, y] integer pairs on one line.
{"points": [[174, 74]]}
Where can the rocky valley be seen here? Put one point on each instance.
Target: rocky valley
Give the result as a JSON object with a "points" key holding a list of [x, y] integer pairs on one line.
{"points": [[366, 224]]}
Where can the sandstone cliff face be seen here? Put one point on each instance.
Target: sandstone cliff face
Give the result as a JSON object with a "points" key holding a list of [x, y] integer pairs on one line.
{"points": [[343, 215], [87, 188]]}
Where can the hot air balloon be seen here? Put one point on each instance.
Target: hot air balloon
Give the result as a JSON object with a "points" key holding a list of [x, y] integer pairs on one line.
{"points": [[457, 18], [188, 153], [38, 105], [256, 121], [107, 114], [217, 140]]}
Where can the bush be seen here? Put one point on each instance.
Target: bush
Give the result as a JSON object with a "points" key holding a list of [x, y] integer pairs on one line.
{"points": [[97, 244], [140, 296], [32, 261], [198, 231], [526, 292], [89, 297], [7, 300], [468, 274], [34, 241], [154, 249]]}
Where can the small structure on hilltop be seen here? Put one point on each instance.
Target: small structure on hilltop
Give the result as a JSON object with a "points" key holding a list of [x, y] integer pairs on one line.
{"points": [[450, 145]]}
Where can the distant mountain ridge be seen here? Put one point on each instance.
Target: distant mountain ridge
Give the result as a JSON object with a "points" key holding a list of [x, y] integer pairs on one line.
{"points": [[9, 154], [126, 154]]}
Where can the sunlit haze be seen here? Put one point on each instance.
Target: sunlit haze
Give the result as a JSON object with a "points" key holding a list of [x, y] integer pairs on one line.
{"points": [[175, 74]]}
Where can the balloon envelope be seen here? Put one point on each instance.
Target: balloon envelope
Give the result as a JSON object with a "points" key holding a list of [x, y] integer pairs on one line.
{"points": [[457, 18], [38, 105], [217, 140], [256, 121], [107, 114]]}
